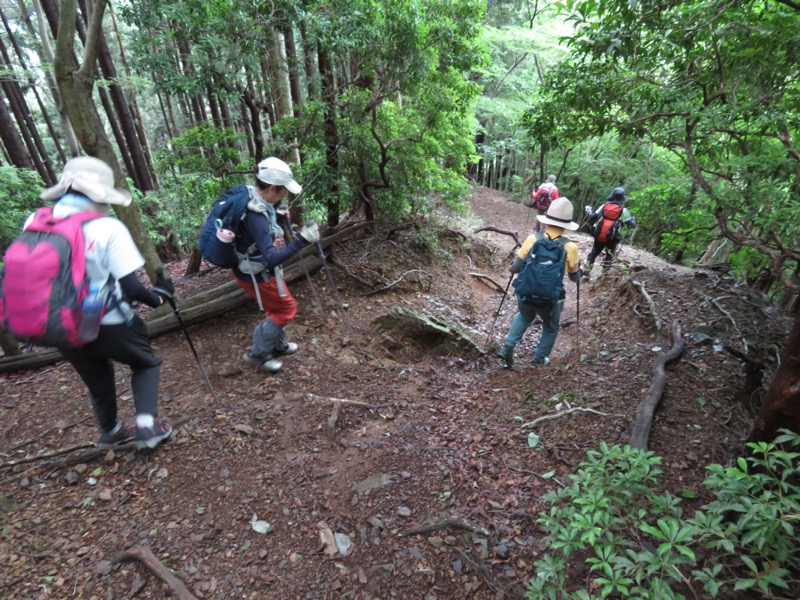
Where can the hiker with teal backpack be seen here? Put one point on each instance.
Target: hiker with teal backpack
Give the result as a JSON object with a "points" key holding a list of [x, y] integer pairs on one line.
{"points": [[605, 225], [540, 266], [69, 281], [245, 232]]}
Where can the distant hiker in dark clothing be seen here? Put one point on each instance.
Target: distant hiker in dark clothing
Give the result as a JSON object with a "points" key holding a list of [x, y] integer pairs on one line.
{"points": [[541, 198], [112, 258], [605, 225], [261, 243], [556, 255]]}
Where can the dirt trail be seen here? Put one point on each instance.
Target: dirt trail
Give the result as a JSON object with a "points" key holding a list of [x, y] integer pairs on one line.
{"points": [[368, 434]]}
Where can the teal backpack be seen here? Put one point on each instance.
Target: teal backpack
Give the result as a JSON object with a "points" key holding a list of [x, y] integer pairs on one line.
{"points": [[541, 280]]}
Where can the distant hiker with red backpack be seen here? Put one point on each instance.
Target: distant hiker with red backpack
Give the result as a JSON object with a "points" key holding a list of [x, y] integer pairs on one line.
{"points": [[540, 265], [605, 225], [68, 282], [253, 234], [541, 198]]}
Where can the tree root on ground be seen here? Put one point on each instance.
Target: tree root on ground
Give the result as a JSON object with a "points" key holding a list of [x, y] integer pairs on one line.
{"points": [[647, 407], [451, 523], [146, 557]]}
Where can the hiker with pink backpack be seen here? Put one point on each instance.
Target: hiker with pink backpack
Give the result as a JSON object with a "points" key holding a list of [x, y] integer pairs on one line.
{"points": [[68, 283], [541, 198]]}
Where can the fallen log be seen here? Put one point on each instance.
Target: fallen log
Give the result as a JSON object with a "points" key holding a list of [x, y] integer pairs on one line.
{"points": [[647, 407]]}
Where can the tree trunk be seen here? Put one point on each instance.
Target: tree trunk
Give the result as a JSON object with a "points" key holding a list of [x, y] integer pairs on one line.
{"points": [[15, 148], [76, 88], [781, 405], [331, 135]]}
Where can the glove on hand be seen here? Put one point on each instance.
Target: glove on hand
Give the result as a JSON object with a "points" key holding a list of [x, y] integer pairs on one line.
{"points": [[588, 210], [310, 232], [164, 286]]}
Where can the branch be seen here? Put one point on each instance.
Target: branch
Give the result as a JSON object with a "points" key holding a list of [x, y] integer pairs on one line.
{"points": [[92, 45], [651, 304], [566, 412], [503, 231], [495, 285], [394, 283], [149, 560], [647, 407], [451, 523]]}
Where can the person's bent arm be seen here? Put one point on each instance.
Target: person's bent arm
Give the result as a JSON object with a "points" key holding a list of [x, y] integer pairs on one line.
{"points": [[134, 290]]}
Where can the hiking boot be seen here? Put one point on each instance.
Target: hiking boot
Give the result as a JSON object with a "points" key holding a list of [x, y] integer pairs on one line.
{"points": [[291, 348], [273, 365], [507, 354], [150, 437], [251, 359], [536, 362], [119, 435]]}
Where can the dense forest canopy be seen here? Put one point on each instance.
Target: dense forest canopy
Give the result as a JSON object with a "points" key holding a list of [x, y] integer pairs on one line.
{"points": [[385, 106]]}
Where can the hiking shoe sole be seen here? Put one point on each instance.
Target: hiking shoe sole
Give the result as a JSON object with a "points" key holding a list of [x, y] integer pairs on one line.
{"points": [[291, 348]]}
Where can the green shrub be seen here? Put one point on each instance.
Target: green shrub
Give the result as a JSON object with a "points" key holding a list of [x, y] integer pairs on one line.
{"points": [[636, 542], [19, 197]]}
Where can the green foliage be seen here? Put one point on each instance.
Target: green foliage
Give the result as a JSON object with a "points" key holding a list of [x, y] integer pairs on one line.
{"points": [[19, 197], [193, 175], [639, 544]]}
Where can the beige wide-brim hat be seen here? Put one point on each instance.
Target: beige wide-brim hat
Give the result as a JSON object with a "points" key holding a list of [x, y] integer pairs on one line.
{"points": [[559, 214], [276, 172], [91, 177]]}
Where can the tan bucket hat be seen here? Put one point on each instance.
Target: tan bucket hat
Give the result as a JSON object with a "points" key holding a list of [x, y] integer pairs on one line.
{"points": [[91, 177], [559, 214]]}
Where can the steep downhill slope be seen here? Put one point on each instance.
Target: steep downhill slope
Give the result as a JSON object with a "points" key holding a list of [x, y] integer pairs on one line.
{"points": [[370, 433]]}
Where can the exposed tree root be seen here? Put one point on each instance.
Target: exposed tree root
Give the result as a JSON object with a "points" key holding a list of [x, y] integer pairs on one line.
{"points": [[647, 407], [451, 523], [566, 412], [493, 283], [146, 557]]}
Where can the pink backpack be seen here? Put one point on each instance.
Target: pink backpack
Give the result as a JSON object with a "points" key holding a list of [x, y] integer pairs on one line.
{"points": [[44, 281]]}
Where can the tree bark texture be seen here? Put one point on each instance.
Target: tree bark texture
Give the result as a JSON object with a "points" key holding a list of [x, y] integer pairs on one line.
{"points": [[643, 422]]}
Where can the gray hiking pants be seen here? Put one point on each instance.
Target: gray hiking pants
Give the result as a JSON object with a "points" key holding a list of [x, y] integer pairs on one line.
{"points": [[267, 338]]}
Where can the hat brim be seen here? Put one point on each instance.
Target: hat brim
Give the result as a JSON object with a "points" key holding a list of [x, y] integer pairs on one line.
{"points": [[571, 225], [95, 192], [294, 187]]}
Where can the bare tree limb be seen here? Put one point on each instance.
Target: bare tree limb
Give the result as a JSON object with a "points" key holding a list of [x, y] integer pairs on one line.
{"points": [[146, 557]]}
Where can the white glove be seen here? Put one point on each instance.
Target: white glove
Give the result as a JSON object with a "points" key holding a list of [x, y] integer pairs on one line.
{"points": [[588, 210], [310, 233]]}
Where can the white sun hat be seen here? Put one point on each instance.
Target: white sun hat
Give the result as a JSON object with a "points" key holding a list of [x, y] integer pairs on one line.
{"points": [[91, 177], [276, 172], [559, 214]]}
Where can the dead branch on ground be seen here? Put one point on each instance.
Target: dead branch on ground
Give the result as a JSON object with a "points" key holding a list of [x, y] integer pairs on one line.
{"points": [[651, 304], [566, 412], [350, 402], [647, 407], [502, 231], [146, 557], [494, 284], [394, 283], [450, 523]]}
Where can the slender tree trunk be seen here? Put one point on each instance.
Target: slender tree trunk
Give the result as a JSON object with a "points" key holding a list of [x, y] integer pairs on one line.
{"points": [[331, 135], [25, 122], [15, 148], [291, 65], [47, 53], [76, 86], [33, 87], [312, 74]]}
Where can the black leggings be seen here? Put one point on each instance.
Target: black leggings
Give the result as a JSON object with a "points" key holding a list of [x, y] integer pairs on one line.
{"points": [[127, 344]]}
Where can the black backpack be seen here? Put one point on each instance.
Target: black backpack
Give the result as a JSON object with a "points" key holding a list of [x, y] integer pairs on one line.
{"points": [[541, 280]]}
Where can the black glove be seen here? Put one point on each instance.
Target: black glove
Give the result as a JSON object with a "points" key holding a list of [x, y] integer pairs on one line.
{"points": [[164, 286]]}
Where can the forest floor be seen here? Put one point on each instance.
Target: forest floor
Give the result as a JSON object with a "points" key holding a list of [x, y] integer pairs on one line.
{"points": [[367, 433]]}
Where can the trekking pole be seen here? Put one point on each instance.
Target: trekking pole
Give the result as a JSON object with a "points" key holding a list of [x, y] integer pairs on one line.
{"points": [[578, 312], [332, 284], [177, 313], [491, 329]]}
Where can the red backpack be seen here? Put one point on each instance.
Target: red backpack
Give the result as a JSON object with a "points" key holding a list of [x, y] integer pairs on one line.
{"points": [[44, 281], [609, 228], [543, 196]]}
